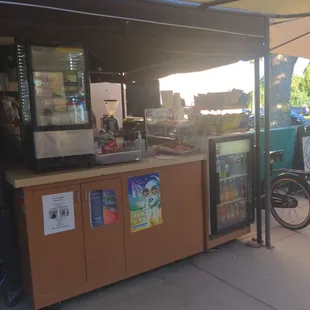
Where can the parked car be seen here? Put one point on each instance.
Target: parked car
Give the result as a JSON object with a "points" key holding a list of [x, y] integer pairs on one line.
{"points": [[296, 119], [304, 110], [251, 121]]}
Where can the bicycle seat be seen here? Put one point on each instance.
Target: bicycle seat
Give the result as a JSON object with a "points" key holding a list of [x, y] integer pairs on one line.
{"points": [[277, 153]]}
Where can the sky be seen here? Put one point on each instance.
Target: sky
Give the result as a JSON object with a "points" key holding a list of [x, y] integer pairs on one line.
{"points": [[239, 75]]}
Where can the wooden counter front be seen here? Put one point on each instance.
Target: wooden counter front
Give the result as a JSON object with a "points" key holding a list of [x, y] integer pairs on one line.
{"points": [[66, 264]]}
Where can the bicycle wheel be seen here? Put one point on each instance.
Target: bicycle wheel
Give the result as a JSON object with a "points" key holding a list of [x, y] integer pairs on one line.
{"points": [[290, 201]]}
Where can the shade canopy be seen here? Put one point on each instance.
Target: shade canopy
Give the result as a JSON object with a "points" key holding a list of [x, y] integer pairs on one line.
{"points": [[273, 7], [290, 37], [142, 39]]}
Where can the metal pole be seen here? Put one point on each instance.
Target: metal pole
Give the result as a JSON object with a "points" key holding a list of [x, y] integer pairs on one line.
{"points": [[267, 133], [257, 152]]}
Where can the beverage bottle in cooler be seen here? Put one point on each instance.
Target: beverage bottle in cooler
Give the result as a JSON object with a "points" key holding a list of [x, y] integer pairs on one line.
{"points": [[232, 212], [223, 168], [222, 192], [222, 216], [218, 166], [237, 211], [226, 191], [242, 188], [233, 165], [227, 168], [235, 189], [243, 163], [238, 163], [231, 190], [242, 209], [228, 214]]}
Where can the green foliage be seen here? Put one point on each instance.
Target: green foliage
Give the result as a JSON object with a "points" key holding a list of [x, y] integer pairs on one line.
{"points": [[261, 92], [305, 82], [299, 94], [300, 90]]}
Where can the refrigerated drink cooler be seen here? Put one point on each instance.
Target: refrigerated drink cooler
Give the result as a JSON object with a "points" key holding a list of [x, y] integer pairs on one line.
{"points": [[230, 179]]}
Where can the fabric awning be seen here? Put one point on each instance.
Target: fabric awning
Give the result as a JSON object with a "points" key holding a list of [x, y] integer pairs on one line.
{"points": [[290, 37], [274, 7], [143, 40]]}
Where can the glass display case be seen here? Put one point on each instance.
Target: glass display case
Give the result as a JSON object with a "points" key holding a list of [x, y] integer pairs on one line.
{"points": [[59, 86], [169, 131], [55, 104]]}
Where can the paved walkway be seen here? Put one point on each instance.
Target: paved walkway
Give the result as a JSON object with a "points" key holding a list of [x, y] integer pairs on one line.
{"points": [[233, 277]]}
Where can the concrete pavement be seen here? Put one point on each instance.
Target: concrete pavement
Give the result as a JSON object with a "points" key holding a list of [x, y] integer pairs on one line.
{"points": [[233, 277]]}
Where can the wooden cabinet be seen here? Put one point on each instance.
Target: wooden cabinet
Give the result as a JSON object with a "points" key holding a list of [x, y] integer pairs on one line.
{"points": [[58, 259], [181, 233], [104, 244], [95, 252]]}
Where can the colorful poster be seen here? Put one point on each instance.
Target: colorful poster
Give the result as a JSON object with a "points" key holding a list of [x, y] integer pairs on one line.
{"points": [[58, 213], [144, 201], [102, 207]]}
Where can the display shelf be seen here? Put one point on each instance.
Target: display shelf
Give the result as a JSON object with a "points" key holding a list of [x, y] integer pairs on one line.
{"points": [[235, 176], [230, 201], [161, 137], [179, 126]]}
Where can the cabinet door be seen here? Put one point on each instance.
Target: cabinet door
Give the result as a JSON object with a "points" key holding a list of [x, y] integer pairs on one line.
{"points": [[103, 231], [59, 248]]}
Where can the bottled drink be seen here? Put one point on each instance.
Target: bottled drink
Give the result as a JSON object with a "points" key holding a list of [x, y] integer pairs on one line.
{"points": [[233, 165], [218, 167], [227, 169], [228, 214], [222, 193], [223, 168], [243, 163], [235, 189], [225, 191], [221, 216], [232, 212], [238, 161], [242, 209], [237, 211], [231, 190], [242, 188]]}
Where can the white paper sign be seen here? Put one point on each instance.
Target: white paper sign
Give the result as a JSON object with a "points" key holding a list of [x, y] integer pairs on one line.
{"points": [[306, 152], [58, 213]]}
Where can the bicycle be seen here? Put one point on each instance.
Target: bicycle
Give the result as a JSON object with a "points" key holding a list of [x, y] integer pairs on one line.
{"points": [[293, 195]]}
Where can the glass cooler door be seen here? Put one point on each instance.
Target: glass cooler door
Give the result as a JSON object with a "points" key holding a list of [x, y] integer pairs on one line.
{"points": [[233, 184], [58, 75]]}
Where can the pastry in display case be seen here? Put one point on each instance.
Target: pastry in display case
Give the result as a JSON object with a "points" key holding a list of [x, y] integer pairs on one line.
{"points": [[168, 131]]}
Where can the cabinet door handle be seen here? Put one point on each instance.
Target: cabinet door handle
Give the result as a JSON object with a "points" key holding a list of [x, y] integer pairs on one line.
{"points": [[86, 194], [78, 196]]}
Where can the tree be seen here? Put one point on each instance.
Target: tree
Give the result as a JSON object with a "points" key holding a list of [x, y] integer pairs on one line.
{"points": [[299, 95], [305, 82], [281, 73], [261, 92]]}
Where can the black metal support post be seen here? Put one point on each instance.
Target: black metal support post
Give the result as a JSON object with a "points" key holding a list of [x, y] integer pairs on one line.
{"points": [[257, 152], [267, 133]]}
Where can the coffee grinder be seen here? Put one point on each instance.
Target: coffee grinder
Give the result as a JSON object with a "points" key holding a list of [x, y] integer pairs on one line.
{"points": [[109, 122]]}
